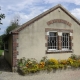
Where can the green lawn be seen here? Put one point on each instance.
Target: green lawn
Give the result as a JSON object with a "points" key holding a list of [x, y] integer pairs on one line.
{"points": [[1, 52]]}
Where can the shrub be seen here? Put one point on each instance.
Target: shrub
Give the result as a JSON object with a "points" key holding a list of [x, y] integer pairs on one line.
{"points": [[69, 61], [32, 66], [51, 62], [32, 63], [75, 57], [23, 70], [75, 64], [41, 65], [55, 66], [21, 62], [61, 66], [28, 66], [64, 62], [44, 59]]}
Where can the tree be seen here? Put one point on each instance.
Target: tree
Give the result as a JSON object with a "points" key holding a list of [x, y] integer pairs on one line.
{"points": [[14, 24], [2, 16], [1, 43]]}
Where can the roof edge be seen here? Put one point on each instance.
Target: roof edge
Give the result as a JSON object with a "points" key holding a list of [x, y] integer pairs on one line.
{"points": [[43, 14]]}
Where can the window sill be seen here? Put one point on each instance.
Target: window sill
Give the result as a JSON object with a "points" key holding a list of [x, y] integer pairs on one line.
{"points": [[59, 51]]}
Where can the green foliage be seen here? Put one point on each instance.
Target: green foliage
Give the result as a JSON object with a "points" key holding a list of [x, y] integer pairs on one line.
{"points": [[32, 66], [44, 59], [75, 57], [23, 71], [61, 66], [1, 52], [54, 66], [28, 66], [75, 64], [64, 62], [51, 62], [11, 27], [21, 62], [2, 16], [1, 43]]}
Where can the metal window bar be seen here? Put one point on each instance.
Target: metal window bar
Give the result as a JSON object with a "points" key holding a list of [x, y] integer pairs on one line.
{"points": [[52, 40], [65, 41]]}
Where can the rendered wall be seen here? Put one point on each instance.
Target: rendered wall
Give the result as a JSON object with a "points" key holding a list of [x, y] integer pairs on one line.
{"points": [[32, 40], [8, 53]]}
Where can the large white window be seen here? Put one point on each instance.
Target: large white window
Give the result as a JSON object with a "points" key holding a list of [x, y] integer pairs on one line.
{"points": [[65, 41], [52, 41], [59, 41]]}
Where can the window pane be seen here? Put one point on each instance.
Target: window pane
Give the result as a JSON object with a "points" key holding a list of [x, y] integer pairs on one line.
{"points": [[52, 40], [65, 40]]}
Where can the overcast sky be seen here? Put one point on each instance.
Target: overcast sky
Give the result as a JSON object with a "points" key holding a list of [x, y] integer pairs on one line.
{"points": [[27, 9]]}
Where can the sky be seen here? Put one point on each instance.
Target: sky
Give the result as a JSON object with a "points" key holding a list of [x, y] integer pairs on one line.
{"points": [[25, 10]]}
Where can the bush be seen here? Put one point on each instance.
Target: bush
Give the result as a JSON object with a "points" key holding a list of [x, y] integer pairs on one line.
{"points": [[75, 57], [21, 62], [69, 61], [32, 66], [61, 66], [51, 62], [64, 62], [75, 64]]}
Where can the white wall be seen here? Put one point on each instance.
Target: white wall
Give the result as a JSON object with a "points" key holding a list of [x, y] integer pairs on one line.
{"points": [[32, 38]]}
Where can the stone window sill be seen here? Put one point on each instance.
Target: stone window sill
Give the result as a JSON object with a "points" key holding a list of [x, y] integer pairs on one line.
{"points": [[59, 51]]}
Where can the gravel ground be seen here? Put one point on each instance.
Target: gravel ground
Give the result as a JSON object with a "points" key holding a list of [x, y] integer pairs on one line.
{"points": [[6, 74], [59, 75]]}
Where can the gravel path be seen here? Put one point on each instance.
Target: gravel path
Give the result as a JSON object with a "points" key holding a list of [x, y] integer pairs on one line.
{"points": [[59, 75], [6, 74]]}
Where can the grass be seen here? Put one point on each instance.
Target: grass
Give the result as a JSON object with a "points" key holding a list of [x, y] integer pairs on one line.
{"points": [[1, 52]]}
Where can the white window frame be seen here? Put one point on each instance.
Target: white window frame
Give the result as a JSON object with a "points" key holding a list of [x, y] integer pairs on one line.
{"points": [[48, 33], [65, 43], [59, 34]]}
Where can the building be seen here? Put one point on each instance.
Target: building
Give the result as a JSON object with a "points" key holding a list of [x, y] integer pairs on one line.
{"points": [[55, 33]]}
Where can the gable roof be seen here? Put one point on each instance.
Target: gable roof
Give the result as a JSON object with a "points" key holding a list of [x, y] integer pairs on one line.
{"points": [[43, 14]]}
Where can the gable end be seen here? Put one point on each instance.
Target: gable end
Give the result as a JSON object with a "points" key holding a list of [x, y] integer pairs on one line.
{"points": [[42, 15]]}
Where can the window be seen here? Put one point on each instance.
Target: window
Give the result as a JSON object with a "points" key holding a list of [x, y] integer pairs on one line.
{"points": [[59, 41], [6, 45], [65, 41], [52, 40]]}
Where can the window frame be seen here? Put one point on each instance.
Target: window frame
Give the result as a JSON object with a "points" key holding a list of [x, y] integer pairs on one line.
{"points": [[65, 43], [56, 41], [58, 50]]}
